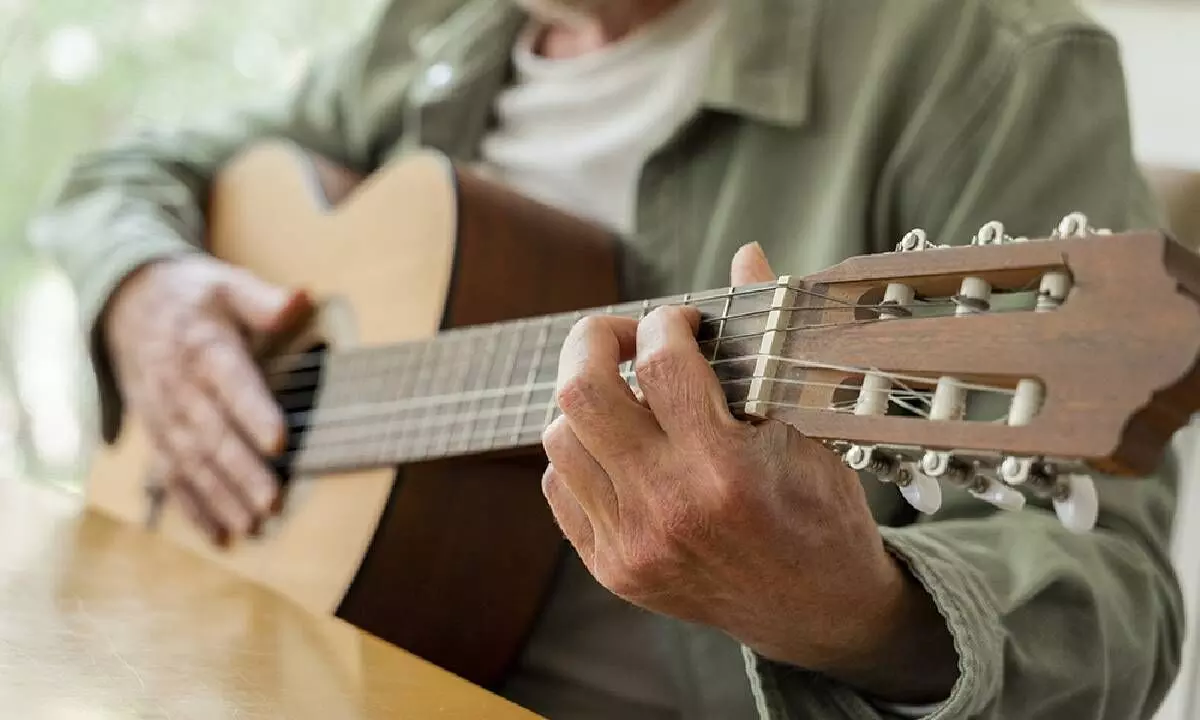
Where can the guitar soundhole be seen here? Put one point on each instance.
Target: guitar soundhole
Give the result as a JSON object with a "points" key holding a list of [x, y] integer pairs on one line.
{"points": [[295, 388]]}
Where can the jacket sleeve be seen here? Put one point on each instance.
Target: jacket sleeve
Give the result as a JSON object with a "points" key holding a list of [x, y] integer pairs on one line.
{"points": [[143, 198], [1047, 623]]}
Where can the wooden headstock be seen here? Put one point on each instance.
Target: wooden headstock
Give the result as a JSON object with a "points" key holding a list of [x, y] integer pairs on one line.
{"points": [[1008, 359]]}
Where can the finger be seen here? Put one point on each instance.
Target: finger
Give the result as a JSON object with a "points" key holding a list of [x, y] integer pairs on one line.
{"points": [[680, 386], [261, 306], [229, 454], [570, 515], [750, 266], [208, 487], [593, 396], [231, 376], [197, 513], [579, 471]]}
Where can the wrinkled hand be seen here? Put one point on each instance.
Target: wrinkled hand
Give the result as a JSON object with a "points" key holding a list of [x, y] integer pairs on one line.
{"points": [[677, 506], [177, 332]]}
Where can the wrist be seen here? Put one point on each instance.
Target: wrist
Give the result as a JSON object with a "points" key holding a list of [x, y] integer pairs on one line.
{"points": [[893, 646]]}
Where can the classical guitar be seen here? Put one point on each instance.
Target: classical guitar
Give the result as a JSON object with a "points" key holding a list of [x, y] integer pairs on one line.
{"points": [[418, 393]]}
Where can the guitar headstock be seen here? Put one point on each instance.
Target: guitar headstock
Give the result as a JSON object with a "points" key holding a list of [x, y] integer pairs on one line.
{"points": [[1007, 362]]}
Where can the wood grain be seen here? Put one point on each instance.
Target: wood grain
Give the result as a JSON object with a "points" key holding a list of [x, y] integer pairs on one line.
{"points": [[101, 620]]}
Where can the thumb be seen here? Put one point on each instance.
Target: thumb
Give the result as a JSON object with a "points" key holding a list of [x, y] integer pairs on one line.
{"points": [[750, 266], [262, 306]]}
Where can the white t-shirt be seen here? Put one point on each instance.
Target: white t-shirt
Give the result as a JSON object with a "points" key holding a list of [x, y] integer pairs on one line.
{"points": [[575, 134]]}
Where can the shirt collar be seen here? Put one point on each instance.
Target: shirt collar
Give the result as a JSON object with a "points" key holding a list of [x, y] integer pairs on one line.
{"points": [[764, 60]]}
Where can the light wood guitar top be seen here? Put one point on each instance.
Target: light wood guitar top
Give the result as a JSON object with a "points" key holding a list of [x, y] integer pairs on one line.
{"points": [[102, 621]]}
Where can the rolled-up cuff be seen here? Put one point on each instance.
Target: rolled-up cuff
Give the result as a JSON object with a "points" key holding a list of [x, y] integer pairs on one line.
{"points": [[971, 614]]}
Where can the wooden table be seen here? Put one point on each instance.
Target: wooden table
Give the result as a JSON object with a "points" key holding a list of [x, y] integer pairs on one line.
{"points": [[100, 621]]}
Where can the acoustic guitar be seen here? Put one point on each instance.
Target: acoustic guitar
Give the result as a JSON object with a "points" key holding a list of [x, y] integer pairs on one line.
{"points": [[418, 393]]}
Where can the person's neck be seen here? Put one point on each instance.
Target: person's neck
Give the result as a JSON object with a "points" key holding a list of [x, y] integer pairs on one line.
{"points": [[614, 20]]}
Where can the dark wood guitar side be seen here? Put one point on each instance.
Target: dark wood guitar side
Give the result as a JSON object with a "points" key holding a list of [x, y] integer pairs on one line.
{"points": [[466, 548]]}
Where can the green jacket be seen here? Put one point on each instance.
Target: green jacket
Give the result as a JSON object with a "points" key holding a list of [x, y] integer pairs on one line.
{"points": [[829, 128]]}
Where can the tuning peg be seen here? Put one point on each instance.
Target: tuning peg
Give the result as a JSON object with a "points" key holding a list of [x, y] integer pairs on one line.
{"points": [[991, 234], [1077, 503], [919, 490], [914, 240], [997, 494], [1073, 225]]}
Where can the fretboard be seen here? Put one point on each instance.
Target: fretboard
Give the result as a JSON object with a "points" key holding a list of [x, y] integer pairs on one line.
{"points": [[480, 389]]}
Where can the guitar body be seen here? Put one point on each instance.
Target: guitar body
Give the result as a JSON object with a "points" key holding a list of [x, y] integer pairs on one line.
{"points": [[449, 559]]}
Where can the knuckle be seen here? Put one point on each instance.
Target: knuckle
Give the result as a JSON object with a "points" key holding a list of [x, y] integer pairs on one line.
{"points": [[577, 392], [204, 483], [645, 565], [588, 326], [668, 314], [659, 365]]}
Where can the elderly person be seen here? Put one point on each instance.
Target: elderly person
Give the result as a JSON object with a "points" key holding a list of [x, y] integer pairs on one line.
{"points": [[759, 577]]}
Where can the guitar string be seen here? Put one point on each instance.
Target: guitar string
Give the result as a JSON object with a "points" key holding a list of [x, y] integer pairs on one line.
{"points": [[286, 364], [388, 407], [353, 447], [355, 444], [291, 375]]}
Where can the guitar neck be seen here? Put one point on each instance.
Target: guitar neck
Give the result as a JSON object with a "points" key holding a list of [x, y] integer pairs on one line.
{"points": [[485, 388]]}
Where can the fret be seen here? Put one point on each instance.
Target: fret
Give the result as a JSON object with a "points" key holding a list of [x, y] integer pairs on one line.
{"points": [[509, 368], [531, 379], [487, 362], [406, 445], [721, 326], [482, 388], [427, 423], [626, 369], [552, 409], [457, 373]]}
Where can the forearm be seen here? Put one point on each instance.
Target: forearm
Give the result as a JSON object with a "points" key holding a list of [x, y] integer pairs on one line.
{"points": [[1045, 623]]}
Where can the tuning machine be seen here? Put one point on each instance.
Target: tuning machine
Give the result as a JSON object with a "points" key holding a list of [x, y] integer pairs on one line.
{"points": [[1074, 496], [919, 490], [1077, 224]]}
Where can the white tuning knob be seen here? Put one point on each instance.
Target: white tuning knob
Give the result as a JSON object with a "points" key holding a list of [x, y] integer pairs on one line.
{"points": [[1080, 508], [922, 492], [1000, 495]]}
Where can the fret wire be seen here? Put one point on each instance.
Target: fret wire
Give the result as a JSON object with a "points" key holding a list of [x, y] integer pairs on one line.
{"points": [[493, 347], [721, 326], [553, 411], [464, 358], [627, 366], [403, 372], [431, 372], [505, 382], [415, 385], [349, 385], [531, 377]]}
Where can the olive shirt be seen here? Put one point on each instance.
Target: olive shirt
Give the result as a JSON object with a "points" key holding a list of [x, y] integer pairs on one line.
{"points": [[829, 128]]}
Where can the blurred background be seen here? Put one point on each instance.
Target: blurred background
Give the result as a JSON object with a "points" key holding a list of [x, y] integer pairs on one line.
{"points": [[75, 72], [72, 74]]}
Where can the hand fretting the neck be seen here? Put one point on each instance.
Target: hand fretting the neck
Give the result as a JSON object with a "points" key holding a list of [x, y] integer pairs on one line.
{"points": [[491, 387]]}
